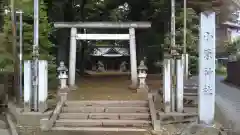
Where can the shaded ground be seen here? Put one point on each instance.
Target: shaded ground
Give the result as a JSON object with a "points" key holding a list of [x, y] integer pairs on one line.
{"points": [[107, 86]]}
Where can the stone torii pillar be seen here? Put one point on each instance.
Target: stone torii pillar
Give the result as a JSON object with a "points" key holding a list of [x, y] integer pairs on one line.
{"points": [[133, 58], [72, 59]]}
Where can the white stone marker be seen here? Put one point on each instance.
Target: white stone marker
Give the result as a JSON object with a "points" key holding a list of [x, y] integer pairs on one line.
{"points": [[42, 85], [27, 85], [167, 85], [207, 68], [180, 85]]}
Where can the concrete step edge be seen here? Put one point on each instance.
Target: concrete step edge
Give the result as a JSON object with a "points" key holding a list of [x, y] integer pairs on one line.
{"points": [[102, 123], [127, 116], [106, 113], [101, 120], [92, 109], [99, 129], [123, 107], [137, 103]]}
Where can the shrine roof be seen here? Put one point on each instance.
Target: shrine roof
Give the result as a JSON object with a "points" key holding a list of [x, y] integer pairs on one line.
{"points": [[110, 51], [200, 3]]}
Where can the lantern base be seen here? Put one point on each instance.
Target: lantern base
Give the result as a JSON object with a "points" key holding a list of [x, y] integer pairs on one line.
{"points": [[74, 87], [143, 88]]}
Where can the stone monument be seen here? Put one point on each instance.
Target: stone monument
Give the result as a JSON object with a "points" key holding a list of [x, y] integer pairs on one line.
{"points": [[100, 67], [123, 67]]}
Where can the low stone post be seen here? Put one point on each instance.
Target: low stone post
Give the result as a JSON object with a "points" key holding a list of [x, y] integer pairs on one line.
{"points": [[63, 89], [167, 81], [27, 86], [42, 85], [185, 59], [180, 84], [142, 74]]}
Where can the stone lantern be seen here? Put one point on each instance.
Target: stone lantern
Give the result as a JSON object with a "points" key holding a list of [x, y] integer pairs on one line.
{"points": [[62, 70], [63, 89], [142, 74]]}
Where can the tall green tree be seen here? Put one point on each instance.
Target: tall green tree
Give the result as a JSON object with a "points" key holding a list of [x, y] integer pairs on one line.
{"points": [[46, 48], [192, 35], [6, 57]]}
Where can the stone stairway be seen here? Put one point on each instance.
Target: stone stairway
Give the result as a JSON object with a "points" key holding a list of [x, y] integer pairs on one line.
{"points": [[106, 116]]}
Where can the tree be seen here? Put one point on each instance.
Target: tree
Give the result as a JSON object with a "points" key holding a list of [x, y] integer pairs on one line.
{"points": [[155, 11], [232, 47], [46, 48], [6, 57], [192, 36]]}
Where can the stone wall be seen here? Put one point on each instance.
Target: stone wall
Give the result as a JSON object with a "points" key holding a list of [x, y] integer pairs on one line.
{"points": [[233, 75]]}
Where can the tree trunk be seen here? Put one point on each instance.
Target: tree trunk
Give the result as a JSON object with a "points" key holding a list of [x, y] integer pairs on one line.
{"points": [[14, 52]]}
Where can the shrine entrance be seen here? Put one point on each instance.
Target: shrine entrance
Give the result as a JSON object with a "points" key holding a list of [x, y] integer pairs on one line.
{"points": [[102, 25], [110, 58]]}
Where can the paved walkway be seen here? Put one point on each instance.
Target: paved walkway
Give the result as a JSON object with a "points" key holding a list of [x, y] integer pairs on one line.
{"points": [[3, 126], [228, 102]]}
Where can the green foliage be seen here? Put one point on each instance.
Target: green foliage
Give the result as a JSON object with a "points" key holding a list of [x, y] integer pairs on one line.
{"points": [[46, 48], [232, 47], [6, 57], [192, 36], [221, 70]]}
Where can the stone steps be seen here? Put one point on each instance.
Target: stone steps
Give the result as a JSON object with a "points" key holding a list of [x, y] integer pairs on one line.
{"points": [[107, 103], [107, 116], [101, 122], [114, 116], [99, 129], [98, 109]]}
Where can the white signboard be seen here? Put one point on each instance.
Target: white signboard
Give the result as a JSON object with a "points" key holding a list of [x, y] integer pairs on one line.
{"points": [[207, 68]]}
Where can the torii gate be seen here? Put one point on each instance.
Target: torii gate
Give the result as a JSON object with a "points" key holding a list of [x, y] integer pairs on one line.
{"points": [[102, 25]]}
